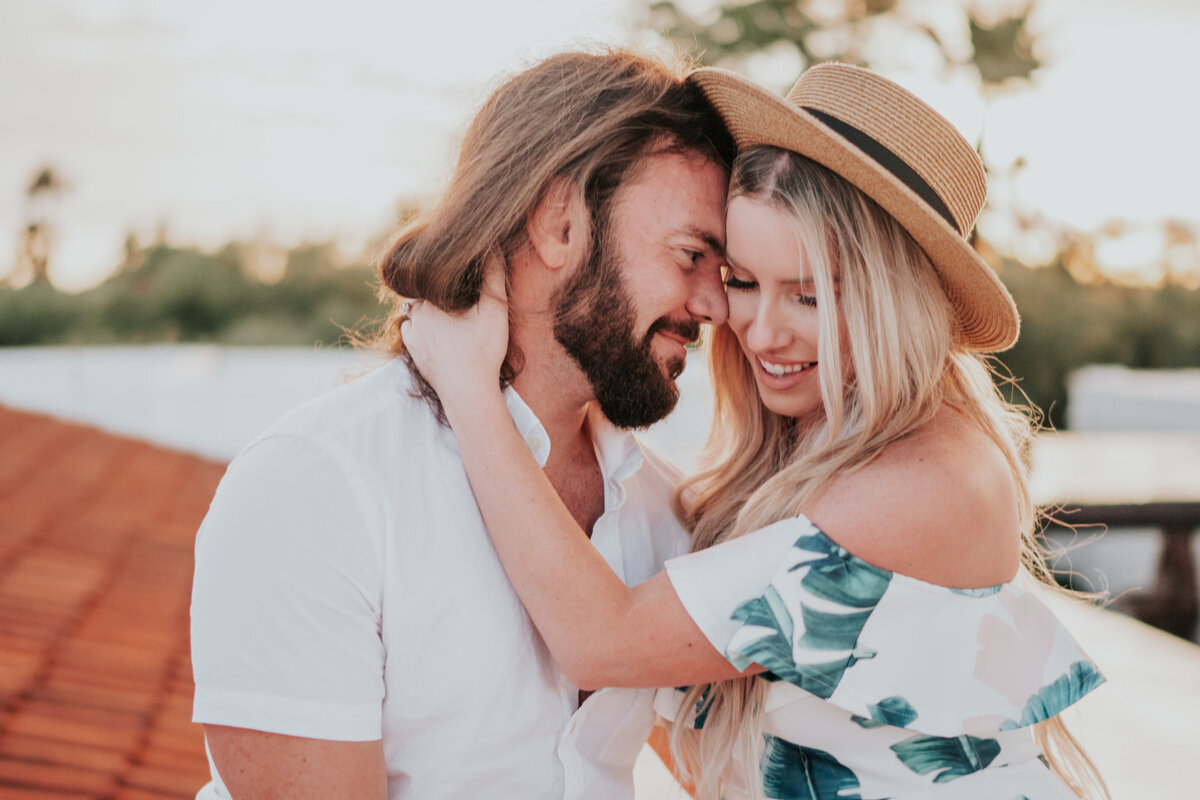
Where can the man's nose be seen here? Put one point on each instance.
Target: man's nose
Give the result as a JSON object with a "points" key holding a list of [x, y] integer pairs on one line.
{"points": [[707, 302]]}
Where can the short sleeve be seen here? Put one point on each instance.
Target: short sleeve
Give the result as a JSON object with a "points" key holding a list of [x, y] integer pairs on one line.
{"points": [[712, 583], [888, 648], [286, 598]]}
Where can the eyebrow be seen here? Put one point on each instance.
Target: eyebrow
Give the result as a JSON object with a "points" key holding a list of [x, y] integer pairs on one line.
{"points": [[715, 244]]}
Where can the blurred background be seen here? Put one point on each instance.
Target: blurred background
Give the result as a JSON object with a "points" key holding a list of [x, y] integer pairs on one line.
{"points": [[193, 196], [227, 174]]}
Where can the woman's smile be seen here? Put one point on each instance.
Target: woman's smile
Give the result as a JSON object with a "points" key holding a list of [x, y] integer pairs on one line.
{"points": [[783, 374]]}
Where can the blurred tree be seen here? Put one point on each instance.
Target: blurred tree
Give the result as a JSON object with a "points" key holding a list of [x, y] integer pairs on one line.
{"points": [[1067, 324], [1003, 50], [173, 293], [38, 236], [36, 314], [1000, 46], [132, 253]]}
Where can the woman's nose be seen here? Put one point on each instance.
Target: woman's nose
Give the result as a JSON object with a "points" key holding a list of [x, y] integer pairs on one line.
{"points": [[767, 331]]}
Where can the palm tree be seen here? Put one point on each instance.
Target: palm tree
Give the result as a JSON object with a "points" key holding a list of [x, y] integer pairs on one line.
{"points": [[43, 190]]}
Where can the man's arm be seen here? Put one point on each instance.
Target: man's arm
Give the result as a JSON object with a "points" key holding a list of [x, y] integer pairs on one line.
{"points": [[286, 648], [255, 765]]}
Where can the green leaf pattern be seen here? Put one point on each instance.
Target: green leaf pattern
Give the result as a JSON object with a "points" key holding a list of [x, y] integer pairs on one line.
{"points": [[806, 628], [949, 756], [894, 711], [832, 575], [1081, 677], [792, 772]]}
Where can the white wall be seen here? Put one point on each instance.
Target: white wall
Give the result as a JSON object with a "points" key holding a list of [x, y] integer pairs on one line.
{"points": [[1110, 398], [211, 400]]}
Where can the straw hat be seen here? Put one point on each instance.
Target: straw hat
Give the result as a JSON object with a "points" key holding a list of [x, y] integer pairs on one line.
{"points": [[902, 154]]}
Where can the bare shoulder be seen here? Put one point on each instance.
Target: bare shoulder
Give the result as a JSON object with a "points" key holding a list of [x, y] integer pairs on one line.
{"points": [[939, 505]]}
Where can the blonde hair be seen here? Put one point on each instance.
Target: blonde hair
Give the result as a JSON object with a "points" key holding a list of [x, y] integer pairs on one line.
{"points": [[763, 467]]}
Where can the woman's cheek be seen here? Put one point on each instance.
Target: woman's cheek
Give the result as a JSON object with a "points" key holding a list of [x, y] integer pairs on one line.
{"points": [[741, 313]]}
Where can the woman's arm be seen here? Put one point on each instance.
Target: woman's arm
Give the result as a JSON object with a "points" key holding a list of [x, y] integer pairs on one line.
{"points": [[601, 632]]}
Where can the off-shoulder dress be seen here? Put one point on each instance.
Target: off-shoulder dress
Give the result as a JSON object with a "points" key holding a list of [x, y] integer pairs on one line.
{"points": [[882, 685]]}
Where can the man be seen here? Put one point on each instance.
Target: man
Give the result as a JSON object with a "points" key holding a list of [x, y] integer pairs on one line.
{"points": [[353, 633]]}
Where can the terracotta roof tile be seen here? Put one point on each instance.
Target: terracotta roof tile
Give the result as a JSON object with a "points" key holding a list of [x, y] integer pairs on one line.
{"points": [[53, 751], [37, 774], [96, 536]]}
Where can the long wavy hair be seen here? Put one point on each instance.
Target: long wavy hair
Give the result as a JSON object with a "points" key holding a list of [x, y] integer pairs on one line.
{"points": [[588, 117], [761, 467]]}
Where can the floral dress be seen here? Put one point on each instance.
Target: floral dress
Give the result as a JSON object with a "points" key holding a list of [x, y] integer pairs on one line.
{"points": [[882, 685]]}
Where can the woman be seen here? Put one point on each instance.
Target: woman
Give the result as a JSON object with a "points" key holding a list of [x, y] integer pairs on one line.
{"points": [[852, 619]]}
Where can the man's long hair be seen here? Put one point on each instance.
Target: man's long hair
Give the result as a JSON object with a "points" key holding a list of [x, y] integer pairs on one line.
{"points": [[588, 117]]}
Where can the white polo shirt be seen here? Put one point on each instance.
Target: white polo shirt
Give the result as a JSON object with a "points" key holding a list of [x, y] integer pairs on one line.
{"points": [[346, 589]]}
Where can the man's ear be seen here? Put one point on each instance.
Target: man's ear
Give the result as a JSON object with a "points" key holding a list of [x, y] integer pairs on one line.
{"points": [[558, 226]]}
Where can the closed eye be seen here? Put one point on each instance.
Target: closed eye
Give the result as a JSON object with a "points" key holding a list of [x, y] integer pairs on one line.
{"points": [[738, 285]]}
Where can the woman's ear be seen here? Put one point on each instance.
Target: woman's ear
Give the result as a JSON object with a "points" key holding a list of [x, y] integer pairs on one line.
{"points": [[558, 226]]}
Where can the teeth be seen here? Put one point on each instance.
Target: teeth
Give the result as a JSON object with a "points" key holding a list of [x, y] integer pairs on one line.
{"points": [[779, 370]]}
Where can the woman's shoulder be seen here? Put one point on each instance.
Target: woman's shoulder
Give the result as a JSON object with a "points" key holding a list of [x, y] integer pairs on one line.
{"points": [[939, 505]]}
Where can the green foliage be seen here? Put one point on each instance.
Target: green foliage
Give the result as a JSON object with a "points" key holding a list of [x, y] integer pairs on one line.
{"points": [[738, 29], [1001, 49], [175, 293], [1066, 325], [35, 314]]}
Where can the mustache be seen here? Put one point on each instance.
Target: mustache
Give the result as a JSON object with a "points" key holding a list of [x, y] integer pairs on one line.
{"points": [[689, 329]]}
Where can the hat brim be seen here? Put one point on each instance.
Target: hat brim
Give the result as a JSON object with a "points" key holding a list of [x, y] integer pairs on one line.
{"points": [[986, 315]]}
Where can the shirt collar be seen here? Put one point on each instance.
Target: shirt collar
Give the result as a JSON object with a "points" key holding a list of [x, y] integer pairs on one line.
{"points": [[528, 425], [617, 449]]}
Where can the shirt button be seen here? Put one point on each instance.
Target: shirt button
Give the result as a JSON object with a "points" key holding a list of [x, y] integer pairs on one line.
{"points": [[535, 443]]}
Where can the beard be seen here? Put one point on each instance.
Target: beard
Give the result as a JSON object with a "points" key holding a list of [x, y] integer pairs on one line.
{"points": [[594, 322]]}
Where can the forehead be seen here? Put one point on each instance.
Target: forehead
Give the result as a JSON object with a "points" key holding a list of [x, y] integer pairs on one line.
{"points": [[675, 191], [761, 238]]}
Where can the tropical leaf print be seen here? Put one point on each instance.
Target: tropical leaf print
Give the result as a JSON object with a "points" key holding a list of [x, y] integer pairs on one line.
{"points": [[792, 772], [703, 706], [773, 647], [824, 631], [1079, 679], [894, 711], [769, 637], [951, 757], [839, 576]]}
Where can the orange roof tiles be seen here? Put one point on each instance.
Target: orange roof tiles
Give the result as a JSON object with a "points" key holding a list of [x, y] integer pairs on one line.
{"points": [[96, 535]]}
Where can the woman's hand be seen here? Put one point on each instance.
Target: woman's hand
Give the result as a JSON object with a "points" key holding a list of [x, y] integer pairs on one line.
{"points": [[460, 353]]}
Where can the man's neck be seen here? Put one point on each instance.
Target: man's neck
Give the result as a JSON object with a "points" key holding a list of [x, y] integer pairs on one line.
{"points": [[549, 382], [563, 415], [559, 396]]}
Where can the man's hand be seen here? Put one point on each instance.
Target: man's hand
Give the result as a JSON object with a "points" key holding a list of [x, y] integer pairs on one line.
{"points": [[255, 765]]}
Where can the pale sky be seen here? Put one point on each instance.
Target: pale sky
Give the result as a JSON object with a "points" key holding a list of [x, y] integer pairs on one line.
{"points": [[248, 118]]}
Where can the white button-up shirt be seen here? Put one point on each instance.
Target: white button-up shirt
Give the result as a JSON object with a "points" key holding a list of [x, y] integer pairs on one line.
{"points": [[346, 589]]}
